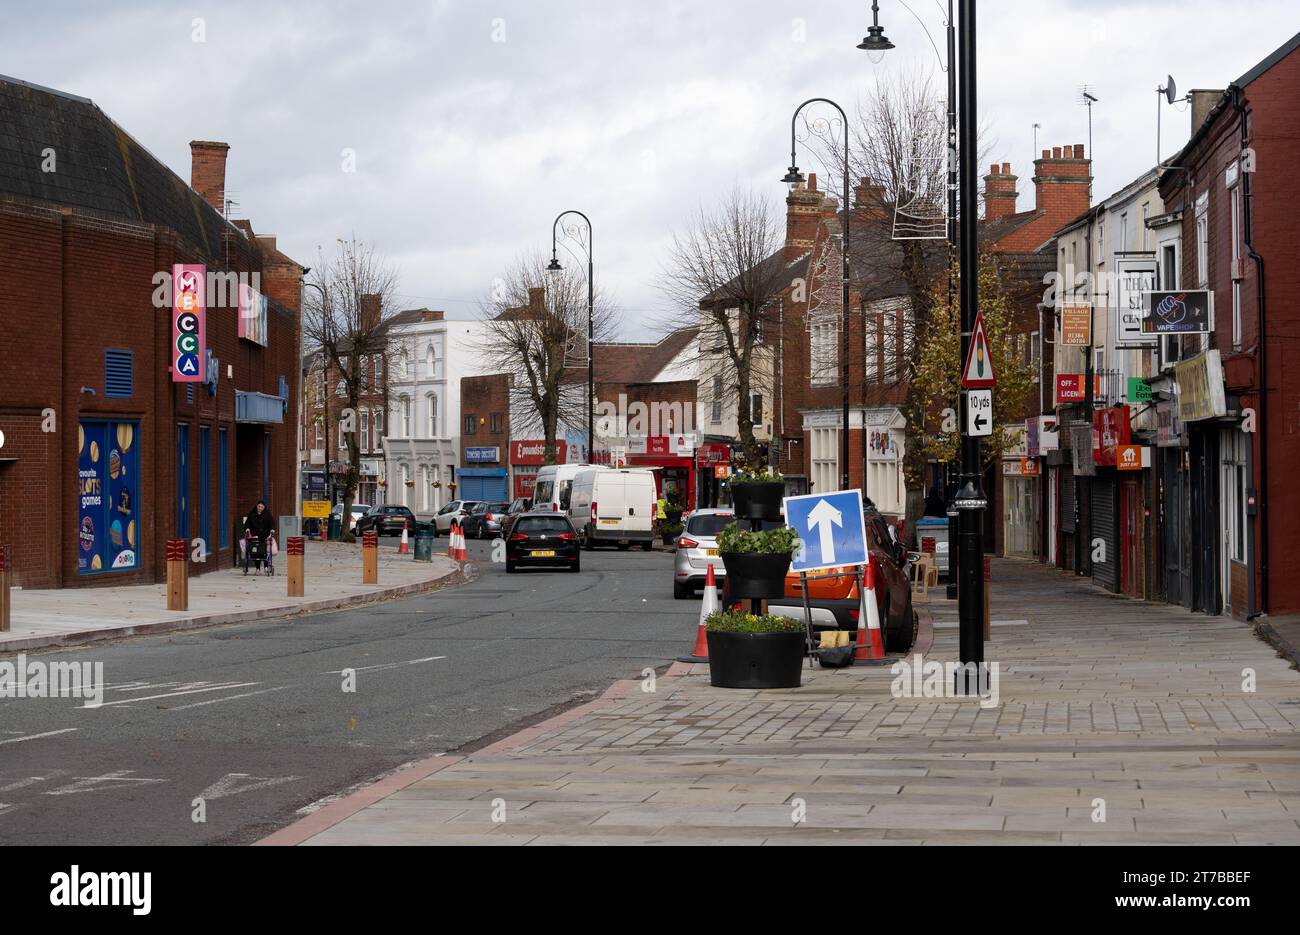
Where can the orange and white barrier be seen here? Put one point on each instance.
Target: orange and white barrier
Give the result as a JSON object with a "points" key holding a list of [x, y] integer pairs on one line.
{"points": [[870, 646], [456, 548]]}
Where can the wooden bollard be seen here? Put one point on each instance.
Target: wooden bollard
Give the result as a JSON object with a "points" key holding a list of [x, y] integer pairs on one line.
{"points": [[5, 574], [370, 557], [178, 572], [988, 617], [295, 549]]}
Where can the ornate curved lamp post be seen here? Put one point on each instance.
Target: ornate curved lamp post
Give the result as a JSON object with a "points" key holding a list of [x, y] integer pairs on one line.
{"points": [[793, 177], [555, 267]]}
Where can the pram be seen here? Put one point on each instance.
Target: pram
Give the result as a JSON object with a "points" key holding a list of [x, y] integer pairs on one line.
{"points": [[259, 554]]}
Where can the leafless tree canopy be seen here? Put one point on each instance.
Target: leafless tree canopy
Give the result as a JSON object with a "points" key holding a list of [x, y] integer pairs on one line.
{"points": [[343, 321], [537, 326], [723, 275]]}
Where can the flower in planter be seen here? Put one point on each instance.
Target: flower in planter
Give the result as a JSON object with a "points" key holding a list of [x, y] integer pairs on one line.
{"points": [[721, 621], [781, 541], [756, 477]]}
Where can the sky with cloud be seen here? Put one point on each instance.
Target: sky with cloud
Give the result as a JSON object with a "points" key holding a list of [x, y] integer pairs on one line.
{"points": [[473, 124]]}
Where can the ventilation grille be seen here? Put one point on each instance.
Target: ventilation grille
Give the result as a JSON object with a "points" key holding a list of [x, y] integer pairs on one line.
{"points": [[119, 373]]}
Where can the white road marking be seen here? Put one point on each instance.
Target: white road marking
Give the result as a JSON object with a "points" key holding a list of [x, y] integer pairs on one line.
{"points": [[199, 704], [192, 691], [31, 780], [48, 733], [237, 783], [95, 783], [386, 665]]}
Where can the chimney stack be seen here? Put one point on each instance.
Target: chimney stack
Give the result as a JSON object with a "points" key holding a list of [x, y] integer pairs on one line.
{"points": [[1062, 179], [371, 310], [1203, 102], [802, 214], [999, 192], [208, 172]]}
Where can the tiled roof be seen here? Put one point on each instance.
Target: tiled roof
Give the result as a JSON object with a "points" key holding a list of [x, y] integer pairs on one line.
{"points": [[98, 167]]}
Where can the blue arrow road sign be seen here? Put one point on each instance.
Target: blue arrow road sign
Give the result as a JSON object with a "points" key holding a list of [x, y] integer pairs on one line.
{"points": [[831, 528]]}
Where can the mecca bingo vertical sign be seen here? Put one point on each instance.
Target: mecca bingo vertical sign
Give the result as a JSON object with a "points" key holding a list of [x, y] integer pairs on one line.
{"points": [[189, 340]]}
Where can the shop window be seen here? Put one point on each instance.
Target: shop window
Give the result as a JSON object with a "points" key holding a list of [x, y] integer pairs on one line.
{"points": [[108, 496]]}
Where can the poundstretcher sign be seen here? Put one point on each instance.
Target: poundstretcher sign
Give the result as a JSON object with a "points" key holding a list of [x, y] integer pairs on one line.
{"points": [[189, 308]]}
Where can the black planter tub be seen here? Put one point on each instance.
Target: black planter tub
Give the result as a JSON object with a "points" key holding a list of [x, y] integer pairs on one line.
{"points": [[756, 660], [756, 574], [758, 501]]}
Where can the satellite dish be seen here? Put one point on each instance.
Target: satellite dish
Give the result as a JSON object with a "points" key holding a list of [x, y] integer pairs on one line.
{"points": [[1170, 88]]}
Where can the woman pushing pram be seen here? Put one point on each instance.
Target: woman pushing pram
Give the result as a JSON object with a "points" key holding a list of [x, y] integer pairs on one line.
{"points": [[259, 540]]}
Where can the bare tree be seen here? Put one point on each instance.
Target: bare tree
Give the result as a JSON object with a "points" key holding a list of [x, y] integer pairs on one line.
{"points": [[344, 321], [724, 274], [537, 334]]}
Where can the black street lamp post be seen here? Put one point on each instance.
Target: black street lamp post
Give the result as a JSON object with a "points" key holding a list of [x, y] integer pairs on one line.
{"points": [[793, 177], [555, 267]]}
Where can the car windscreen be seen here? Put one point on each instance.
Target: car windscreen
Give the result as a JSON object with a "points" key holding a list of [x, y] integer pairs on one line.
{"points": [[498, 507], [711, 524], [536, 525]]}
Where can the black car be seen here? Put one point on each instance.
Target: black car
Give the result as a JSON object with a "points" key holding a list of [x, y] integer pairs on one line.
{"points": [[484, 520], [387, 520], [518, 506], [543, 539]]}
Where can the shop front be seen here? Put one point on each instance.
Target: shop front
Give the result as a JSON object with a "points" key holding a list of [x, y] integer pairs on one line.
{"points": [[673, 459], [712, 461], [526, 459], [483, 477], [886, 446], [108, 496]]}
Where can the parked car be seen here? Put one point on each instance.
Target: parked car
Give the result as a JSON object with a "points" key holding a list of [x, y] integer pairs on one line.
{"points": [[697, 549], [484, 521], [358, 510], [455, 510], [835, 601], [517, 506], [387, 520], [553, 483], [614, 506], [544, 539]]}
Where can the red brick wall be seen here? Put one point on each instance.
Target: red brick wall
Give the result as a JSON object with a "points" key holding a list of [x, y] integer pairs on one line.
{"points": [[483, 397]]}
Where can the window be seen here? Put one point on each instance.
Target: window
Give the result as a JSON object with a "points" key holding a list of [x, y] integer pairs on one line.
{"points": [[365, 372], [758, 328], [871, 339], [1035, 352], [429, 359], [716, 414], [378, 419], [498, 423], [719, 343], [1232, 459], [756, 408], [1122, 244], [1171, 345], [824, 351], [406, 417], [1235, 210], [1146, 214], [889, 344], [1202, 240], [1101, 242], [364, 444], [824, 445], [343, 438], [379, 368], [433, 415], [471, 425]]}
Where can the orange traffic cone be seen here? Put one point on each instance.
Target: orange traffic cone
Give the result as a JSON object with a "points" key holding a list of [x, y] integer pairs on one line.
{"points": [[459, 552], [870, 648], [405, 547], [708, 604]]}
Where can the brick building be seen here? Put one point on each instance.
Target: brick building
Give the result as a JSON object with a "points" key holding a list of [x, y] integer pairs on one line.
{"points": [[104, 456], [485, 438], [1233, 189]]}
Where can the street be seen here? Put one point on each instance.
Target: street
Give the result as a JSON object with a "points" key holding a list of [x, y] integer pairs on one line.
{"points": [[253, 717]]}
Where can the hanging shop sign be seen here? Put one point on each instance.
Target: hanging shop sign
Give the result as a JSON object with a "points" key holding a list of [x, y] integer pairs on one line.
{"points": [[1110, 430], [189, 311], [1137, 277], [1041, 436], [1169, 428], [1131, 457], [1069, 388], [1076, 325], [1179, 311], [1139, 390], [1200, 387]]}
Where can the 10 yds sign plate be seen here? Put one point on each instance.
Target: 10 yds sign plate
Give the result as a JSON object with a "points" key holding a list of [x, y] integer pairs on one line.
{"points": [[979, 412]]}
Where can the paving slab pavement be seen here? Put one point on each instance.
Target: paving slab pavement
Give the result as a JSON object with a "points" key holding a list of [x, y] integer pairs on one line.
{"points": [[46, 618], [1117, 722]]}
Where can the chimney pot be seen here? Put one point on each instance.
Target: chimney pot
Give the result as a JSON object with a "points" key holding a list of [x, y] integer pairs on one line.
{"points": [[812, 181], [1006, 168], [208, 171], [1047, 154], [993, 169], [1056, 152]]}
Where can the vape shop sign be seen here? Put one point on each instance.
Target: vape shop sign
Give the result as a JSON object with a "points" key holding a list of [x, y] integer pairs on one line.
{"points": [[189, 311]]}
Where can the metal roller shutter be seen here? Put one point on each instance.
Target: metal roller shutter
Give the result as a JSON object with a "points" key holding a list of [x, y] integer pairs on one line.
{"points": [[1105, 528]]}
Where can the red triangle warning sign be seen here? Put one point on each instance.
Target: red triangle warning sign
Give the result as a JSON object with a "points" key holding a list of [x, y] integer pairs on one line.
{"points": [[977, 374]]}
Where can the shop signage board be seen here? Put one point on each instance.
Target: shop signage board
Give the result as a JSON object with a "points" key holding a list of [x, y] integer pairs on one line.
{"points": [[189, 312], [1137, 277], [1200, 387], [315, 509], [1076, 325], [1130, 457], [533, 451], [1069, 388], [1139, 390], [1179, 311], [1111, 429], [482, 455]]}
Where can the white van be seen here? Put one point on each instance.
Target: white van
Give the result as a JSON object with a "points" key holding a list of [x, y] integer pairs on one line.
{"points": [[553, 483], [616, 506]]}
